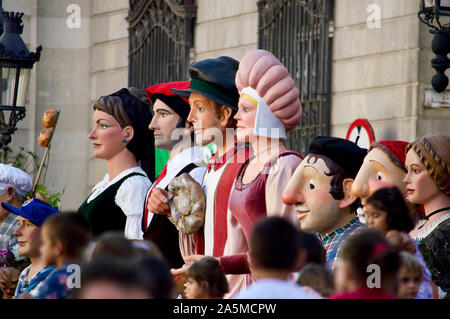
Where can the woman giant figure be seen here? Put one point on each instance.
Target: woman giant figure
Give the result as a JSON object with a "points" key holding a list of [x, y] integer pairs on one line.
{"points": [[268, 107], [121, 137], [428, 184]]}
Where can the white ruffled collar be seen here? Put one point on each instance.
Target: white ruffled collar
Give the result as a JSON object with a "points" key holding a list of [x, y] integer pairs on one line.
{"points": [[105, 182], [429, 227]]}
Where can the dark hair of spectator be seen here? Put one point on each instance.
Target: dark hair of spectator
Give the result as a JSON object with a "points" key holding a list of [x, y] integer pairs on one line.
{"points": [[391, 201], [370, 247], [161, 282], [208, 274], [315, 251], [275, 243], [72, 229], [120, 272]]}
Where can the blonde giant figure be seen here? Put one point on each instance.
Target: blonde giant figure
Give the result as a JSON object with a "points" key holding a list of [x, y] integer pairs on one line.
{"points": [[268, 107]]}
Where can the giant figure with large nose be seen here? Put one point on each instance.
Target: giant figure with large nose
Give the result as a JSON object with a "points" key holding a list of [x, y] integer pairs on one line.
{"points": [[320, 190]]}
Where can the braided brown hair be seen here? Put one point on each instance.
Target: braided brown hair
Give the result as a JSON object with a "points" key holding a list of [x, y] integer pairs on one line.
{"points": [[438, 168]]}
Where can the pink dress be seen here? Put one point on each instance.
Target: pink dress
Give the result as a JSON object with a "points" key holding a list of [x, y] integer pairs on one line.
{"points": [[251, 202]]}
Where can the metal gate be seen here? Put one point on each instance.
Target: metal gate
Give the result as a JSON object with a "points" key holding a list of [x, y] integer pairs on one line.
{"points": [[299, 33], [161, 37]]}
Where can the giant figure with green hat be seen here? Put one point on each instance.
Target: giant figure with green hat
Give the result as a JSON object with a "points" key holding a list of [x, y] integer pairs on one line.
{"points": [[213, 99]]}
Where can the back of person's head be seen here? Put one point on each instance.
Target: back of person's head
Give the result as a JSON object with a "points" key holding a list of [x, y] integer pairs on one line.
{"points": [[113, 244], [110, 278], [275, 244], [370, 247], [160, 279], [147, 248], [391, 201], [315, 252], [318, 277], [72, 229], [209, 276]]}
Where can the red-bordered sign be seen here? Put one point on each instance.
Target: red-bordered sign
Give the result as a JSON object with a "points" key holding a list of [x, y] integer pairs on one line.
{"points": [[361, 133]]}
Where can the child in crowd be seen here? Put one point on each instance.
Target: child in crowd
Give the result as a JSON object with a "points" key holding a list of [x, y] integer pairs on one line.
{"points": [[352, 270], [409, 276], [32, 215], [205, 280], [275, 247], [64, 239], [311, 252], [315, 252], [386, 211], [317, 277]]}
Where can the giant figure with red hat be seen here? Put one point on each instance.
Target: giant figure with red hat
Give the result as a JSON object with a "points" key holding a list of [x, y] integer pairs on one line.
{"points": [[384, 165], [170, 113]]}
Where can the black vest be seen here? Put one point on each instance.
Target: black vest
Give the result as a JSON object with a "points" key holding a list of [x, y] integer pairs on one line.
{"points": [[102, 213]]}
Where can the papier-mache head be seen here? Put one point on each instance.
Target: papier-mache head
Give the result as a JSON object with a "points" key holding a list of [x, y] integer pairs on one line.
{"points": [[261, 74]]}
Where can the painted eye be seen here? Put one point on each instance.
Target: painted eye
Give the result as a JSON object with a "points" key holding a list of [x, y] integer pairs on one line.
{"points": [[379, 176], [245, 109], [312, 184]]}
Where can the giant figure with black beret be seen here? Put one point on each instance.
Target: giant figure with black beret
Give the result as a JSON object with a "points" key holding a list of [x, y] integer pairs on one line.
{"points": [[320, 189]]}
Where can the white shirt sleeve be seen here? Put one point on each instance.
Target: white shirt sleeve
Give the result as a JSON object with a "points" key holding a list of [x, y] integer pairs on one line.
{"points": [[198, 173], [130, 198]]}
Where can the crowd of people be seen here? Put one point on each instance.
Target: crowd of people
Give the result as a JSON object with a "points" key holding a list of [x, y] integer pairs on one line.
{"points": [[269, 223]]}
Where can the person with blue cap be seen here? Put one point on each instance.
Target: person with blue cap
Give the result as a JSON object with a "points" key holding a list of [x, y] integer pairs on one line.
{"points": [[31, 217]]}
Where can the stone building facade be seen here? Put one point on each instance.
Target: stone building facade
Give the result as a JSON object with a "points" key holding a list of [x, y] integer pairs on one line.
{"points": [[380, 71]]}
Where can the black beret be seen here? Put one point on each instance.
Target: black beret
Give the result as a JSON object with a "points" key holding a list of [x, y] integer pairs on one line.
{"points": [[140, 116], [343, 152], [214, 79]]}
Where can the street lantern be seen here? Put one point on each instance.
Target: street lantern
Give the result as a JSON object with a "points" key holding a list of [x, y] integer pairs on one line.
{"points": [[431, 12], [16, 62]]}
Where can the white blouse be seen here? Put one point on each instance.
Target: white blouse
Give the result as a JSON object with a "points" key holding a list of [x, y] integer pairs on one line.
{"points": [[130, 197]]}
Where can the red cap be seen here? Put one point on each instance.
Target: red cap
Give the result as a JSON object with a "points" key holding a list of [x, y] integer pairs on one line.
{"points": [[394, 149], [164, 89], [178, 103]]}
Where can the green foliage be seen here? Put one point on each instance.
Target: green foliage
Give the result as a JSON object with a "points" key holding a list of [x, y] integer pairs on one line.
{"points": [[21, 159], [54, 199]]}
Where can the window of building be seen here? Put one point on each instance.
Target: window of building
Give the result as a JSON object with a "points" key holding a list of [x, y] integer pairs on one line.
{"points": [[299, 33]]}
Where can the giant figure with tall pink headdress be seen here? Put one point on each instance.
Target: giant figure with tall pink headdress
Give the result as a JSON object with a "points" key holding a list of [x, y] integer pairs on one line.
{"points": [[268, 107]]}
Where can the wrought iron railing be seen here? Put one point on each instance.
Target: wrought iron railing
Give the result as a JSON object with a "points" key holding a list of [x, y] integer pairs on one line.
{"points": [[161, 39], [299, 33]]}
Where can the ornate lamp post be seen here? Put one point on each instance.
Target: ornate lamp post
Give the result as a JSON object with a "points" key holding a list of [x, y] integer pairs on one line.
{"points": [[16, 62], [431, 12]]}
